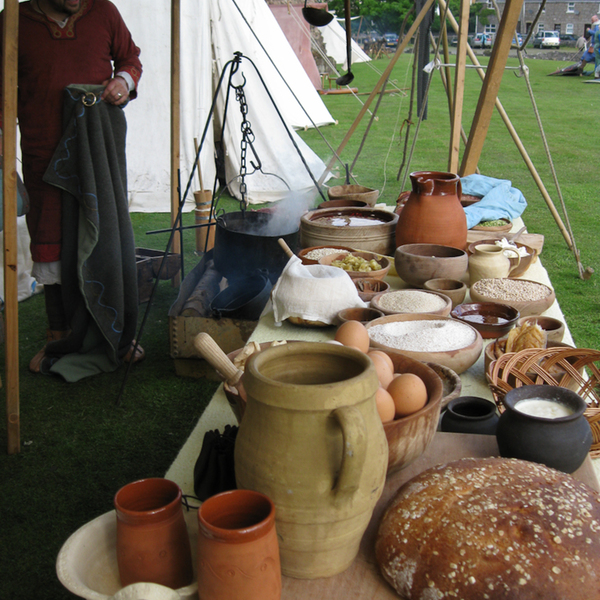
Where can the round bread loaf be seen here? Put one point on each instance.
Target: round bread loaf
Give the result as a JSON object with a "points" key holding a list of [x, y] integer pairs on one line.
{"points": [[492, 528]]}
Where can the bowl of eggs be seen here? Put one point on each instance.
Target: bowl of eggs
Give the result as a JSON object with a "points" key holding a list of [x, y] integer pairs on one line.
{"points": [[409, 399]]}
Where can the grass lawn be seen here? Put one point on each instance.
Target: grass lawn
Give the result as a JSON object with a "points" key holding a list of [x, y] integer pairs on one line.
{"points": [[78, 447]]}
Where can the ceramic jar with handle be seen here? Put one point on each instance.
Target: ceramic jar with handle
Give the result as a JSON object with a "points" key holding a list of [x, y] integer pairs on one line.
{"points": [[312, 441], [489, 261], [433, 213]]}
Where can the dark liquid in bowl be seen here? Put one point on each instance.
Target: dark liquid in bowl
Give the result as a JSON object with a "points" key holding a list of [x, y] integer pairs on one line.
{"points": [[485, 319]]}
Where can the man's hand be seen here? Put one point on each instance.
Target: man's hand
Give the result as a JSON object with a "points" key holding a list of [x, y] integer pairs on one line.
{"points": [[116, 91]]}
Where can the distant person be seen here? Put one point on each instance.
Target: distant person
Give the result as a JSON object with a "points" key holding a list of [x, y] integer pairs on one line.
{"points": [[588, 56], [581, 43]]}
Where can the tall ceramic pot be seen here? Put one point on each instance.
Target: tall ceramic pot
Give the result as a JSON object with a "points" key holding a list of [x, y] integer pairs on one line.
{"points": [[489, 261], [312, 441], [238, 553], [433, 213], [153, 544]]}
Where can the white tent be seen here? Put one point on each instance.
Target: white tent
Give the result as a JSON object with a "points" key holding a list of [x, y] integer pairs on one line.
{"points": [[211, 31], [334, 38]]}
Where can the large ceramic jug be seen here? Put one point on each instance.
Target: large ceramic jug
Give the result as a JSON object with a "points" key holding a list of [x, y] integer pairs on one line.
{"points": [[489, 261], [311, 440], [433, 213]]}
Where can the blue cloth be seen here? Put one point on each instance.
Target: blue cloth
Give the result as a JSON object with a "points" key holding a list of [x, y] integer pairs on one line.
{"points": [[499, 200]]}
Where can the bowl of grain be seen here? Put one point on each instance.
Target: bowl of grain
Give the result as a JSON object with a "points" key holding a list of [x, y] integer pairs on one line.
{"points": [[429, 338], [312, 255], [528, 297], [394, 302], [418, 263], [359, 264]]}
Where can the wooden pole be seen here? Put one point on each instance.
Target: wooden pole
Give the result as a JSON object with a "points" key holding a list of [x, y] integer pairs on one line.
{"points": [[382, 79], [513, 133], [9, 190], [175, 123]]}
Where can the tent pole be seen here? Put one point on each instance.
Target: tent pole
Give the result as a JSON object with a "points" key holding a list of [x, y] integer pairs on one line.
{"points": [[382, 79], [9, 190], [175, 122], [515, 136]]}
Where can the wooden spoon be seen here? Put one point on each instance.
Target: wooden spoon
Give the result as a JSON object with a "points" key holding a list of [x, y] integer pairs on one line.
{"points": [[285, 247], [513, 238]]}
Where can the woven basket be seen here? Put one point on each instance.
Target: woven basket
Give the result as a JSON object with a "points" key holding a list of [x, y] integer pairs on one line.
{"points": [[575, 368]]}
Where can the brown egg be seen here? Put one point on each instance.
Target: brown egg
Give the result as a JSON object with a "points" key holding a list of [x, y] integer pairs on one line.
{"points": [[385, 357], [385, 405], [353, 333], [384, 374], [409, 394]]}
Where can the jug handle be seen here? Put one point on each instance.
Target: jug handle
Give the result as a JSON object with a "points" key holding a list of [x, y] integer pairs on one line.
{"points": [[518, 257], [354, 435]]}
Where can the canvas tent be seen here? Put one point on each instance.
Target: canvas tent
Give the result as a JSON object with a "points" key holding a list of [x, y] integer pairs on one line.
{"points": [[334, 38], [211, 31]]}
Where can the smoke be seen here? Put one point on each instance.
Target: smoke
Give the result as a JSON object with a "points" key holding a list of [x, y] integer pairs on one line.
{"points": [[285, 215]]}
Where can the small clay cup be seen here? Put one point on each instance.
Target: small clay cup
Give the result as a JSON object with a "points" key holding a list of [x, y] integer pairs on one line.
{"points": [[455, 289]]}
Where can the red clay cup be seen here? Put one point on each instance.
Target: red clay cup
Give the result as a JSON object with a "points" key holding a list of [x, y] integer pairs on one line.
{"points": [[153, 543], [238, 552]]}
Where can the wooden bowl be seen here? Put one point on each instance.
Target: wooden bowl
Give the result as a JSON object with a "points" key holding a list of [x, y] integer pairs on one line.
{"points": [[509, 291], [459, 359], [369, 287], [353, 192], [364, 315], [469, 199], [452, 385], [524, 263], [455, 289], [491, 319], [418, 263], [384, 301], [496, 228], [554, 328], [410, 436], [302, 254], [368, 256]]}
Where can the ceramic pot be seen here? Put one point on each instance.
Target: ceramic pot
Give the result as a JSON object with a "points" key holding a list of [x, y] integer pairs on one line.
{"points": [[433, 213], [470, 414], [489, 261], [311, 440], [238, 553], [561, 443], [152, 539]]}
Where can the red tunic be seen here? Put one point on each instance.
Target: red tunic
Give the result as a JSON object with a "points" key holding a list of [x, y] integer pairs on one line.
{"points": [[94, 41]]}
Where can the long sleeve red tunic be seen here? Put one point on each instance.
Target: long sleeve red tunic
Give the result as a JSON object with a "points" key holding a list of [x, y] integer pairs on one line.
{"points": [[94, 44]]}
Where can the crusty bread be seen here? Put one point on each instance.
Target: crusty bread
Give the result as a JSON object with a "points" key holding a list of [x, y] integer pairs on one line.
{"points": [[492, 528]]}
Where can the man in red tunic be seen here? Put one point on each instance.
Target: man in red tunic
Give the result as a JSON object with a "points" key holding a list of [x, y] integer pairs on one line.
{"points": [[62, 42]]}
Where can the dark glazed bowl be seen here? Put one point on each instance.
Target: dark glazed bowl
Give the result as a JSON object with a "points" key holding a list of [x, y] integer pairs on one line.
{"points": [[491, 319]]}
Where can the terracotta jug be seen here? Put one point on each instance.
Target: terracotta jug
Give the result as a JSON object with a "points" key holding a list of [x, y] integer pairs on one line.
{"points": [[238, 553], [153, 544], [489, 261], [311, 439], [433, 213]]}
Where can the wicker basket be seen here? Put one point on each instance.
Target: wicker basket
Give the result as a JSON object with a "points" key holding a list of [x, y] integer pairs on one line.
{"points": [[574, 368]]}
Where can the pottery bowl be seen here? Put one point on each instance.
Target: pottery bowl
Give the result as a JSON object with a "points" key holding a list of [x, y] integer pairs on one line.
{"points": [[451, 382], [380, 273], [455, 289], [87, 563], [554, 328], [395, 302], [410, 436], [368, 287], [418, 263], [503, 227], [364, 315], [342, 202], [459, 355], [528, 297], [312, 255], [353, 192], [524, 263], [491, 319]]}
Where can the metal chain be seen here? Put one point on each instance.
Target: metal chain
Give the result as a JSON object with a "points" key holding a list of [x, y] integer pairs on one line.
{"points": [[247, 138]]}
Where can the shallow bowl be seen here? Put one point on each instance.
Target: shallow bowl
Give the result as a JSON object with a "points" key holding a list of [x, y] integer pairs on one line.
{"points": [[418, 263], [381, 302], [302, 254], [523, 264], [368, 287], [459, 359], [505, 227], [518, 287], [491, 319], [353, 192], [455, 289], [383, 261], [364, 315], [410, 436], [554, 328]]}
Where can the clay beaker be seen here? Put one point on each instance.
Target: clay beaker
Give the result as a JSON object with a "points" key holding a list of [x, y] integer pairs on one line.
{"points": [[433, 213], [489, 261], [153, 544], [312, 441]]}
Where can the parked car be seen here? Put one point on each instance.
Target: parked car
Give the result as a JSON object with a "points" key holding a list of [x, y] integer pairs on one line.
{"points": [[547, 39], [391, 39], [568, 37], [482, 40], [517, 41]]}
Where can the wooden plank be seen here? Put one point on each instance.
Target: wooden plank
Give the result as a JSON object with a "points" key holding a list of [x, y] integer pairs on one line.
{"points": [[175, 123], [9, 190]]}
